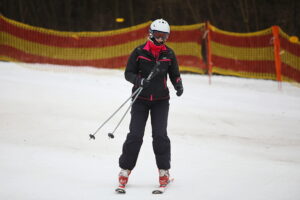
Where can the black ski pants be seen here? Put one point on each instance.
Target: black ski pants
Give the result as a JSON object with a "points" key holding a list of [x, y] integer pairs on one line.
{"points": [[159, 111]]}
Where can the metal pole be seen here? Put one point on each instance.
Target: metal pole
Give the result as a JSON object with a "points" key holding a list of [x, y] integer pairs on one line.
{"points": [[111, 135], [92, 136], [136, 93]]}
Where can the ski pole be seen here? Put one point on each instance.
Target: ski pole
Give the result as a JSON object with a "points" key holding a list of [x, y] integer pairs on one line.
{"points": [[111, 135], [92, 136], [151, 75], [135, 94]]}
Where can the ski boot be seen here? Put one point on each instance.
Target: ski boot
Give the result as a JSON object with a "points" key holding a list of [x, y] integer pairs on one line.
{"points": [[164, 180], [163, 177], [123, 179]]}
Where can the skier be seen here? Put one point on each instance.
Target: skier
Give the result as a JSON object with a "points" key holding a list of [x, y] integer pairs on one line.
{"points": [[153, 99]]}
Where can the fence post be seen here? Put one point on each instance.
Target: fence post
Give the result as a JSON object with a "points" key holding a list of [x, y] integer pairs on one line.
{"points": [[209, 59], [276, 43]]}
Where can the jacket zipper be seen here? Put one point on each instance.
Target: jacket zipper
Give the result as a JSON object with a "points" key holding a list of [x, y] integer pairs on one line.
{"points": [[151, 97]]}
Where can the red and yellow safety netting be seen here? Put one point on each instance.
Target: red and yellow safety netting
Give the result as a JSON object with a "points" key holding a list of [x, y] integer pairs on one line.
{"points": [[247, 55], [290, 58], [266, 54], [107, 49]]}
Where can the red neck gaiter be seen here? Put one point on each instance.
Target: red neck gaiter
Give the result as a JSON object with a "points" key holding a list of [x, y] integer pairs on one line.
{"points": [[154, 49]]}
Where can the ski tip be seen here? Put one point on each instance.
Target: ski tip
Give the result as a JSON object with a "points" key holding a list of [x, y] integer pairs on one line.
{"points": [[157, 192], [120, 191]]}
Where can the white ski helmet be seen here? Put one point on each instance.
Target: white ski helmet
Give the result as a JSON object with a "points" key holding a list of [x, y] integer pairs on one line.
{"points": [[160, 25]]}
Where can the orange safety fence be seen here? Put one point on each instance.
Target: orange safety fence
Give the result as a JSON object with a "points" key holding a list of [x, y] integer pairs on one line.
{"points": [[107, 49], [200, 48], [242, 54], [290, 58], [266, 54]]}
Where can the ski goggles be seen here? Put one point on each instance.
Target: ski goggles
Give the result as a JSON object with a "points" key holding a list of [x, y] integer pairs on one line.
{"points": [[162, 35]]}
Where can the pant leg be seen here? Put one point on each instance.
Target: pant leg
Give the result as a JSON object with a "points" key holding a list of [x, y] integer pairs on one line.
{"points": [[134, 139], [161, 142]]}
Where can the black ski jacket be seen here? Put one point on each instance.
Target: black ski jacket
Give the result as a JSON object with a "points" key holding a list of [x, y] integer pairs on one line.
{"points": [[140, 64]]}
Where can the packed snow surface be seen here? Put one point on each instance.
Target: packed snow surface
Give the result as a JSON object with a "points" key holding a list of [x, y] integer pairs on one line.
{"points": [[233, 139]]}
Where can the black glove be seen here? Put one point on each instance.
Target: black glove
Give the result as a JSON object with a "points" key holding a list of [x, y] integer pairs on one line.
{"points": [[179, 88], [144, 83]]}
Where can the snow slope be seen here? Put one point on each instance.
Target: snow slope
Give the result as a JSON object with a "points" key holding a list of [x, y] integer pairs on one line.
{"points": [[235, 139]]}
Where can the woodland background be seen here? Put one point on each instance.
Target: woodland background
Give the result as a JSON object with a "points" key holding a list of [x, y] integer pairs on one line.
{"points": [[100, 15]]}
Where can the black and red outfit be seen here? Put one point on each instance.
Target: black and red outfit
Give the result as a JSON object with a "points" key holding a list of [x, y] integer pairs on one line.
{"points": [[153, 99]]}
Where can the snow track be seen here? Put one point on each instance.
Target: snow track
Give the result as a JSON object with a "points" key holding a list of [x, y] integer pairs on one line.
{"points": [[235, 139]]}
